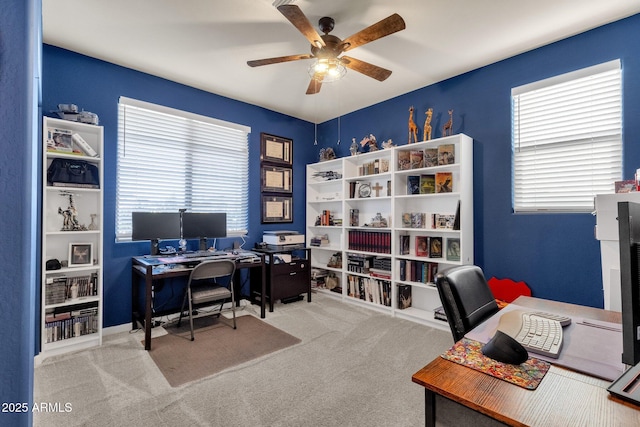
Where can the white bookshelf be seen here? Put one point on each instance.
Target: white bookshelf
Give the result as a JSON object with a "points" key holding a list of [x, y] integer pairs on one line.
{"points": [[71, 309], [387, 194]]}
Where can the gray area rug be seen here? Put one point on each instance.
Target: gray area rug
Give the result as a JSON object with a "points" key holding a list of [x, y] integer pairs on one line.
{"points": [[353, 367], [216, 347]]}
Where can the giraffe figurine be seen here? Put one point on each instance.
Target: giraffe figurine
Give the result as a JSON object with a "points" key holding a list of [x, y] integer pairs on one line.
{"points": [[427, 125], [413, 128], [449, 125]]}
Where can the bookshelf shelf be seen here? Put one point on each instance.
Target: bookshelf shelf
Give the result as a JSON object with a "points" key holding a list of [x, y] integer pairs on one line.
{"points": [[72, 217], [408, 212]]}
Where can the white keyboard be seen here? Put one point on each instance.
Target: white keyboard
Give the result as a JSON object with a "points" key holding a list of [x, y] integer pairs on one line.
{"points": [[537, 334]]}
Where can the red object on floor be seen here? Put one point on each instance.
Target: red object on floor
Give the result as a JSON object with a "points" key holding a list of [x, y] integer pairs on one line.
{"points": [[508, 290]]}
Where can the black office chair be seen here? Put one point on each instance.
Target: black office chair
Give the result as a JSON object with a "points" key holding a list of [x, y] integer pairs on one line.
{"points": [[466, 298], [206, 286]]}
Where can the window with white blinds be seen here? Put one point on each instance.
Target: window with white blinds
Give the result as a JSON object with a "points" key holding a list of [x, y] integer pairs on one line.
{"points": [[567, 140], [170, 159]]}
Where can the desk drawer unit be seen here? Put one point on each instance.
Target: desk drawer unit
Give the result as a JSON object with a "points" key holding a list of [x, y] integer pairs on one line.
{"points": [[289, 279]]}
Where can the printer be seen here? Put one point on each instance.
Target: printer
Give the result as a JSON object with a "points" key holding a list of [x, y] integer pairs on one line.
{"points": [[283, 238]]}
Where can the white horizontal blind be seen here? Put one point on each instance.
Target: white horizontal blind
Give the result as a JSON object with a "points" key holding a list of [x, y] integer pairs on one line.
{"points": [[567, 140], [170, 159]]}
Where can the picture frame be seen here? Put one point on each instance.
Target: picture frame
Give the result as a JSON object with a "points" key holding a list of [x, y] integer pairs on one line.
{"points": [[277, 209], [276, 149], [276, 179], [80, 254]]}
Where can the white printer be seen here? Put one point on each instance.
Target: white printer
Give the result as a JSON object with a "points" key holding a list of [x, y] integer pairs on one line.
{"points": [[283, 237]]}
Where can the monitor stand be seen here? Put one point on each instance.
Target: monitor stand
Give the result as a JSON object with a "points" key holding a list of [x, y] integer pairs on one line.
{"points": [[155, 243], [203, 243]]}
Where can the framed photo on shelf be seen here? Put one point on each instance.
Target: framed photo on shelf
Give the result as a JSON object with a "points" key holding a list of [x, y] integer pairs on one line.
{"points": [[276, 149], [276, 179], [80, 254], [277, 208]]}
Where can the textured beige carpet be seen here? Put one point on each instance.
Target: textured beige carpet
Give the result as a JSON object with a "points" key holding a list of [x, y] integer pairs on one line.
{"points": [[216, 347]]}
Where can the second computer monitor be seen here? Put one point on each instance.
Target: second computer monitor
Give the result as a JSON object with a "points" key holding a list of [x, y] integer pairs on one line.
{"points": [[200, 225]]}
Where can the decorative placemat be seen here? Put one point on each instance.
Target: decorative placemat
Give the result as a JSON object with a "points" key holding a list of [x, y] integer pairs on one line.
{"points": [[468, 353]]}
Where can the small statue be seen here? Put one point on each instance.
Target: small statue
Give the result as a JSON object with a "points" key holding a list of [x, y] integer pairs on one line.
{"points": [[322, 155], [387, 144], [353, 149], [427, 125], [449, 125], [413, 128], [70, 216], [329, 154], [370, 141]]}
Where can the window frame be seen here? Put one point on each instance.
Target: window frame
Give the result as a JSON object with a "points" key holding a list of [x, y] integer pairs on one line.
{"points": [[197, 139], [542, 162]]}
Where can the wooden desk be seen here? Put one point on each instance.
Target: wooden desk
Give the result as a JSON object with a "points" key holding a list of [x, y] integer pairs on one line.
{"points": [[143, 266], [564, 397]]}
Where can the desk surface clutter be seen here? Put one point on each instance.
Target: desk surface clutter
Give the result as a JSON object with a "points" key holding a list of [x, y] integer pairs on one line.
{"points": [[562, 397]]}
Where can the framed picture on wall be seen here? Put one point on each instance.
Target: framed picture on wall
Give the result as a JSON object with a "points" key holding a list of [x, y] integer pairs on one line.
{"points": [[276, 179], [277, 208], [80, 254], [276, 149]]}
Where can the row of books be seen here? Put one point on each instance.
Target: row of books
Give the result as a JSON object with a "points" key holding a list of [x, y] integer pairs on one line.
{"points": [[436, 222], [68, 141], [371, 289], [61, 288], [418, 271], [369, 241], [444, 154], [439, 182], [374, 167], [71, 324]]}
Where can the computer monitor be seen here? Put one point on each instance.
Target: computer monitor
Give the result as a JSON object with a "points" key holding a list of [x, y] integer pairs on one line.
{"points": [[201, 225], [629, 238], [155, 226]]}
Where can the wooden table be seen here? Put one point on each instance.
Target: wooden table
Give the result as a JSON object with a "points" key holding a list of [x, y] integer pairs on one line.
{"points": [[146, 267], [563, 398]]}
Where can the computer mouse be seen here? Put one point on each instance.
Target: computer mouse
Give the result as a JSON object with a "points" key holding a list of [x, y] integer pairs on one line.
{"points": [[504, 348]]}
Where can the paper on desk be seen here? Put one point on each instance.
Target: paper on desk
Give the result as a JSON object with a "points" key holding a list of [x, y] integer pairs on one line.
{"points": [[594, 348]]}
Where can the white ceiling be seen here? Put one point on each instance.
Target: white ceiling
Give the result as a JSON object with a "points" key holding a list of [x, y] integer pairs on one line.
{"points": [[206, 43]]}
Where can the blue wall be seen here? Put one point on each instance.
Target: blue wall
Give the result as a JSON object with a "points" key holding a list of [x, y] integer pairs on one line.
{"points": [[19, 96], [556, 254]]}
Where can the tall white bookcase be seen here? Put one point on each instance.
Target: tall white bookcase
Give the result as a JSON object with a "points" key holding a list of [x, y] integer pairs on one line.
{"points": [[361, 210], [72, 234]]}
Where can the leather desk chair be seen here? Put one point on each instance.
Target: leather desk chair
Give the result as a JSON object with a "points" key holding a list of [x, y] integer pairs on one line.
{"points": [[466, 298]]}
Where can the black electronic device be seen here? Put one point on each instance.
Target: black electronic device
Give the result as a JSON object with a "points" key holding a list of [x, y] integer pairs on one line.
{"points": [[505, 349], [203, 226], [629, 241], [155, 226]]}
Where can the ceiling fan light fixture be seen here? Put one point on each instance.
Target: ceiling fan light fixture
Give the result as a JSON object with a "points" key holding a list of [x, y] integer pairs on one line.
{"points": [[330, 69]]}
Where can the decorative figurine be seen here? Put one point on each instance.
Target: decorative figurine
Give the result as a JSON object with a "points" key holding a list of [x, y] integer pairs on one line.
{"points": [[370, 141], [427, 125], [327, 154], [449, 125], [413, 128], [387, 144], [70, 215], [353, 149]]}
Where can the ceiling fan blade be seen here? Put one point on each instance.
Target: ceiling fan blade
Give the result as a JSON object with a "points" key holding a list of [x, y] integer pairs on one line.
{"points": [[378, 30], [277, 60], [365, 68], [315, 84], [300, 21]]}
